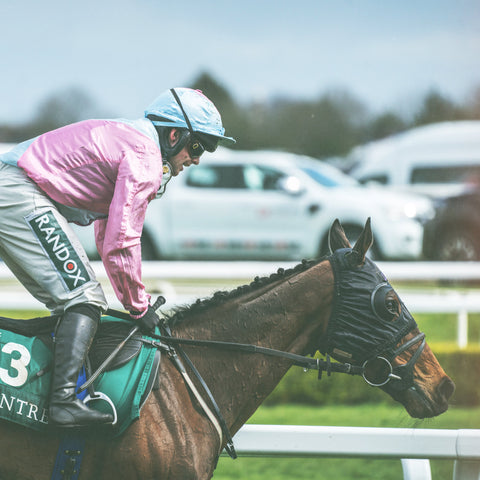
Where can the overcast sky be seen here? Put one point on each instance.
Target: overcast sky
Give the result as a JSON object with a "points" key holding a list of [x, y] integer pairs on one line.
{"points": [[123, 53]]}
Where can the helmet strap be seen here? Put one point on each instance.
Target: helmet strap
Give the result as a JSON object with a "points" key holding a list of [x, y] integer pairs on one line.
{"points": [[185, 116], [169, 151], [166, 177]]}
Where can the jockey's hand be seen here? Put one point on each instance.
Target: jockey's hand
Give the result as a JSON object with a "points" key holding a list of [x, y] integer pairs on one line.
{"points": [[148, 321]]}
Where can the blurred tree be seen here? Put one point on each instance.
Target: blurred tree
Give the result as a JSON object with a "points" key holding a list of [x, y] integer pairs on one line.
{"points": [[327, 127], [62, 108], [473, 104], [437, 108], [386, 124], [216, 92], [324, 127], [65, 107]]}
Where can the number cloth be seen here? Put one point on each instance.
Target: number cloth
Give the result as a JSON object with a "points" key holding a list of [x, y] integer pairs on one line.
{"points": [[25, 373]]}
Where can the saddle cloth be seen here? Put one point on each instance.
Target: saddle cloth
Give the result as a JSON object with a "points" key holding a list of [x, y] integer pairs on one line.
{"points": [[26, 367]]}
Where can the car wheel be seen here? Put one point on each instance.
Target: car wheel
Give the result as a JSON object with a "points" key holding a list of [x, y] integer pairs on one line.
{"points": [[148, 250], [459, 245]]}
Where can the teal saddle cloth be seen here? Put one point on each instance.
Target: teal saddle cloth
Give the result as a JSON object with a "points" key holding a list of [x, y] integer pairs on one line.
{"points": [[26, 366]]}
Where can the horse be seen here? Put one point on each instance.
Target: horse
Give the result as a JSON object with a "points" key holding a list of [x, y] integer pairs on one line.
{"points": [[341, 305]]}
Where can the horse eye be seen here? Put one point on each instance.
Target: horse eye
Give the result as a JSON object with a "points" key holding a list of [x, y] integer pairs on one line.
{"points": [[385, 303], [391, 306]]}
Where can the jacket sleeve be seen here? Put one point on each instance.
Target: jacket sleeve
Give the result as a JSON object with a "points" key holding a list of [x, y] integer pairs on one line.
{"points": [[99, 227], [118, 236]]}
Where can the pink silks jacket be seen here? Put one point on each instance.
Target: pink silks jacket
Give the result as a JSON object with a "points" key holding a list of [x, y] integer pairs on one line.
{"points": [[111, 169]]}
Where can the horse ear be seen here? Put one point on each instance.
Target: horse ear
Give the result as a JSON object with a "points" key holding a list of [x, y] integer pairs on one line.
{"points": [[364, 242], [337, 238]]}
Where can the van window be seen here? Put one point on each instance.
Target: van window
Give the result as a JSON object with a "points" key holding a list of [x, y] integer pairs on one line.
{"points": [[450, 174]]}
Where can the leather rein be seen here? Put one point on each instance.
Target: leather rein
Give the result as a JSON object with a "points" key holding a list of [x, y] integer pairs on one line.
{"points": [[298, 360]]}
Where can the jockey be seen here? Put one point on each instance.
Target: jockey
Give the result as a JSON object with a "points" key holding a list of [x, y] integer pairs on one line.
{"points": [[106, 171]]}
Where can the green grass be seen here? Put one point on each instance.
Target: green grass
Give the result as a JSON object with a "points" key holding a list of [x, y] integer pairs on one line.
{"points": [[378, 415]]}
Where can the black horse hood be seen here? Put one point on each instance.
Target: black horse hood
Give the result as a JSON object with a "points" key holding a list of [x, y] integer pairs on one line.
{"points": [[368, 318]]}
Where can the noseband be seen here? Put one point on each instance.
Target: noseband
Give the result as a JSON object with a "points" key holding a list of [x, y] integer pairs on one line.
{"points": [[379, 370]]}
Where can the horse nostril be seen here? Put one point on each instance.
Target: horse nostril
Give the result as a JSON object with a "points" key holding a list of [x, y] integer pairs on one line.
{"points": [[446, 388]]}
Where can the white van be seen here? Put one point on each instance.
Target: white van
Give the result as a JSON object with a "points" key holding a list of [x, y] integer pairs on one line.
{"points": [[439, 159]]}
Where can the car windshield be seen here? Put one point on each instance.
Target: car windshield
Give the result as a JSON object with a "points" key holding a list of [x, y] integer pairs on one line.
{"points": [[329, 176]]}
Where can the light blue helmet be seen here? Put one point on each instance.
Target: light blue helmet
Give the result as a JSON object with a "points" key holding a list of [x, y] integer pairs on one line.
{"points": [[190, 109]]}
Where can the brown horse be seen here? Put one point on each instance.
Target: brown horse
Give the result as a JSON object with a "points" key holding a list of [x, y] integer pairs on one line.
{"points": [[296, 311]]}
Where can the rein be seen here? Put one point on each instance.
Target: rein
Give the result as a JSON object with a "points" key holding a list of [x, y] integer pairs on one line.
{"points": [[298, 360]]}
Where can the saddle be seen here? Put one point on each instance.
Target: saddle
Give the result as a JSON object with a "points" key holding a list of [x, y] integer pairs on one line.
{"points": [[26, 359]]}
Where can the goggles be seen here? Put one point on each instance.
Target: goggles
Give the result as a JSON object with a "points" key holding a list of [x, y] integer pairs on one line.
{"points": [[195, 148]]}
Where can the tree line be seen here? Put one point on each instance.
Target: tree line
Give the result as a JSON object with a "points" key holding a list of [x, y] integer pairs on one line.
{"points": [[327, 126]]}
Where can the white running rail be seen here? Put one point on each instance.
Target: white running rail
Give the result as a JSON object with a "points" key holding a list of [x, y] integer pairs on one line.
{"points": [[413, 446]]}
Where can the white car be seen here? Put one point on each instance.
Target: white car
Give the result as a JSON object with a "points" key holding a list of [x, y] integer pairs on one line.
{"points": [[266, 205]]}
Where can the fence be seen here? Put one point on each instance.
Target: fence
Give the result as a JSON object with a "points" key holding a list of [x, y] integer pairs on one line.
{"points": [[413, 446], [183, 282]]}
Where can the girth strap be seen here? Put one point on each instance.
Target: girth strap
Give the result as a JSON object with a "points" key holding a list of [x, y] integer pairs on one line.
{"points": [[229, 447], [69, 457]]}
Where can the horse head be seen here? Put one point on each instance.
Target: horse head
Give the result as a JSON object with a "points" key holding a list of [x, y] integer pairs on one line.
{"points": [[371, 327]]}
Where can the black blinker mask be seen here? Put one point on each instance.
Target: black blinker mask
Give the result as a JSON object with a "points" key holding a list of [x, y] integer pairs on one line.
{"points": [[368, 320]]}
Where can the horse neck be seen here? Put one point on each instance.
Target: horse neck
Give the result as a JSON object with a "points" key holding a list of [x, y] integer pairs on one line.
{"points": [[290, 314]]}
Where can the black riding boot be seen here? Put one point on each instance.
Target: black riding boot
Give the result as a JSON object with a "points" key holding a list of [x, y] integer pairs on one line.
{"points": [[72, 340]]}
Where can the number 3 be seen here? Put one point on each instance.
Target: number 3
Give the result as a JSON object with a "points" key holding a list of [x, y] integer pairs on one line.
{"points": [[19, 365]]}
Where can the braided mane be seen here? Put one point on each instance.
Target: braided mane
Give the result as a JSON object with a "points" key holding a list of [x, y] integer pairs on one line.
{"points": [[222, 296]]}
